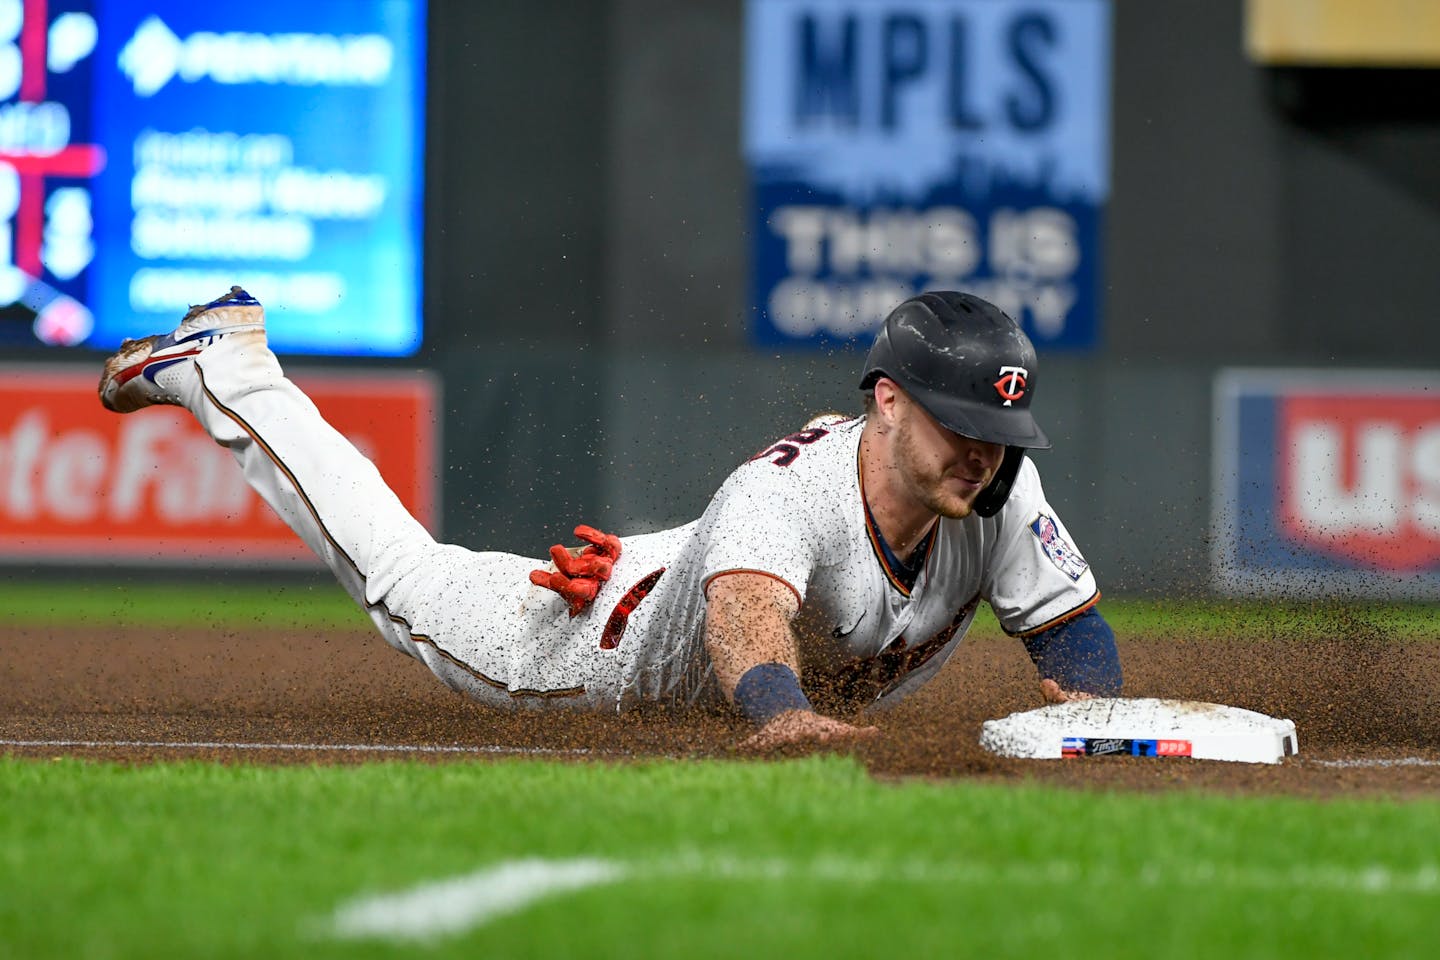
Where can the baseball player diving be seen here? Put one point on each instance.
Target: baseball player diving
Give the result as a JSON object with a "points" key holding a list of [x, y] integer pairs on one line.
{"points": [[833, 572]]}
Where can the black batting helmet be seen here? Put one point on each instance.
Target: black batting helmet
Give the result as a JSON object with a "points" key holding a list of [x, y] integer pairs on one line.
{"points": [[971, 368]]}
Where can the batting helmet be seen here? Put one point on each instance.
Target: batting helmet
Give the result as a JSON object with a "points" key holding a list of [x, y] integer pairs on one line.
{"points": [[971, 368]]}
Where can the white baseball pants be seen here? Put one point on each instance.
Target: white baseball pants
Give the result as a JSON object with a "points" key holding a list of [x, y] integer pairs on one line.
{"points": [[473, 618]]}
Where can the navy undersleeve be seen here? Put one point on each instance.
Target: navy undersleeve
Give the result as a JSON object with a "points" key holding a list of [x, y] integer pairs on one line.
{"points": [[1079, 655]]}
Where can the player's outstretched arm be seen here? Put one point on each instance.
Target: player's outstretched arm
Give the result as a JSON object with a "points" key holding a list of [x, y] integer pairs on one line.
{"points": [[806, 730], [757, 662], [1077, 659]]}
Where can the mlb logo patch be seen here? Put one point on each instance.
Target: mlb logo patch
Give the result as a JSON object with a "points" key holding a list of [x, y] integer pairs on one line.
{"points": [[1057, 548]]}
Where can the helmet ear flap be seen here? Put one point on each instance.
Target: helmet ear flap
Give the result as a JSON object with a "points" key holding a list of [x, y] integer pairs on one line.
{"points": [[993, 497]]}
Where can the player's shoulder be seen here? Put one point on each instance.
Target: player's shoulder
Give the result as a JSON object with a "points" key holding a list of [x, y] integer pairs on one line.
{"points": [[830, 420], [1027, 479], [821, 454], [1027, 495], [822, 438]]}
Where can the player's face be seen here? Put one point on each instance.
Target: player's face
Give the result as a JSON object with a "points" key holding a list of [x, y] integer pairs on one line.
{"points": [[942, 470]]}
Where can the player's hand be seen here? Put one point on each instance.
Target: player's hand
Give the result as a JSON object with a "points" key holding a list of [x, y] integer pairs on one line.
{"points": [[805, 730], [1054, 693]]}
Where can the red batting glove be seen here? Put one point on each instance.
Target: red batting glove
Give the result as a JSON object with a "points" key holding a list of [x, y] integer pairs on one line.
{"points": [[604, 544], [579, 593], [593, 565], [579, 578]]}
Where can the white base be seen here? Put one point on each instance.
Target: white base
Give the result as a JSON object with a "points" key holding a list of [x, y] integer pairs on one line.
{"points": [[1141, 727]]}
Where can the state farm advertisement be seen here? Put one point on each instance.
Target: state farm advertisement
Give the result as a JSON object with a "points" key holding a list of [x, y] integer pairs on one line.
{"points": [[79, 484], [1327, 483]]}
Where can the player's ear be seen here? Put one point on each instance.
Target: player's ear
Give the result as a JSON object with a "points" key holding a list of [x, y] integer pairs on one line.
{"points": [[888, 397]]}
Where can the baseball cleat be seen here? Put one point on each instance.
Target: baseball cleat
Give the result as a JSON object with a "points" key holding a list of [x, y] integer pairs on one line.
{"points": [[150, 370]]}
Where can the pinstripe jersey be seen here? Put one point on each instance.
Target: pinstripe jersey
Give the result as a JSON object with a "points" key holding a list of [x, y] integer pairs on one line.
{"points": [[796, 512]]}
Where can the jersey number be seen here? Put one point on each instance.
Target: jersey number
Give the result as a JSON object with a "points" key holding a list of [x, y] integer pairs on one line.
{"points": [[784, 453]]}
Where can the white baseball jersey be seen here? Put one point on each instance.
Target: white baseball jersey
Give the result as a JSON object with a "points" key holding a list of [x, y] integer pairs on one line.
{"points": [[795, 512]]}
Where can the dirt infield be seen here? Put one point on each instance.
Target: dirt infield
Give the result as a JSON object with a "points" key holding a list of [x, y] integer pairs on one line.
{"points": [[1367, 708]]}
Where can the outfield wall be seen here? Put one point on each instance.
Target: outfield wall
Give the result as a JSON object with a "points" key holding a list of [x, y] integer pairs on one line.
{"points": [[587, 270], [596, 245]]}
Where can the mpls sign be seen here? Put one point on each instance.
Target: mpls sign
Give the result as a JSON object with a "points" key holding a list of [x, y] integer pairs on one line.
{"points": [[896, 147], [1327, 483]]}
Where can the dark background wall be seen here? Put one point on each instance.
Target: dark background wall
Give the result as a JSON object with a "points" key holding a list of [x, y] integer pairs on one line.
{"points": [[587, 268]]}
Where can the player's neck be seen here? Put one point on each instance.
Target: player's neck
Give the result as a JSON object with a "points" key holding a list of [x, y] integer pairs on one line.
{"points": [[901, 520]]}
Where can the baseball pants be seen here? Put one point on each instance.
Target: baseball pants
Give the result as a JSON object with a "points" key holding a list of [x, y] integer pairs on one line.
{"points": [[472, 617]]}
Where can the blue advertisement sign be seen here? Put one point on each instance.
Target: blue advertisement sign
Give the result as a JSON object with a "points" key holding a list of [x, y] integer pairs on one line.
{"points": [[900, 146], [1327, 483], [152, 154]]}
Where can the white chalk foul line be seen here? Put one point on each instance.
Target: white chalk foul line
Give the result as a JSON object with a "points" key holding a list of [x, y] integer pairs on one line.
{"points": [[459, 904], [462, 903], [498, 749], [301, 747], [1367, 762]]}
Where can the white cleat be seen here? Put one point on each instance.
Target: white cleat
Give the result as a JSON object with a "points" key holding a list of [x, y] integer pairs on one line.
{"points": [[149, 371]]}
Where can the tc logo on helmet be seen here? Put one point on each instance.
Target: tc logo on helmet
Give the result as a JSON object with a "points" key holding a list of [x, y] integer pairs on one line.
{"points": [[1011, 385]]}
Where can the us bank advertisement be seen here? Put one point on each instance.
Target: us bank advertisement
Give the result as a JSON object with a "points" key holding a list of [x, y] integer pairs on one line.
{"points": [[1327, 483], [153, 153], [896, 147]]}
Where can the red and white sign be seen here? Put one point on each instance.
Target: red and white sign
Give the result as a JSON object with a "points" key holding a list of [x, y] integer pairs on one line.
{"points": [[1359, 476], [80, 484]]}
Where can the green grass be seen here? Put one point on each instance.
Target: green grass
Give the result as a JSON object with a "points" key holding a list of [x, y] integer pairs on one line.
{"points": [[1257, 620], [203, 603], [322, 604], [1266, 620], [801, 859]]}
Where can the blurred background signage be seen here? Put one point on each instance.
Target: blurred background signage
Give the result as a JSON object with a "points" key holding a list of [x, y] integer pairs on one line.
{"points": [[152, 154], [901, 146], [80, 485], [1344, 33], [1327, 483]]}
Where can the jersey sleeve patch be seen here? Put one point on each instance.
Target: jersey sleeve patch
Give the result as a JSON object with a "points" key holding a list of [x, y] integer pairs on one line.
{"points": [[1065, 557]]}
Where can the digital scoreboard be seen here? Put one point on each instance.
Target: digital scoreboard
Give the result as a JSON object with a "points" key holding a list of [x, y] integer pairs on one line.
{"points": [[152, 154]]}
